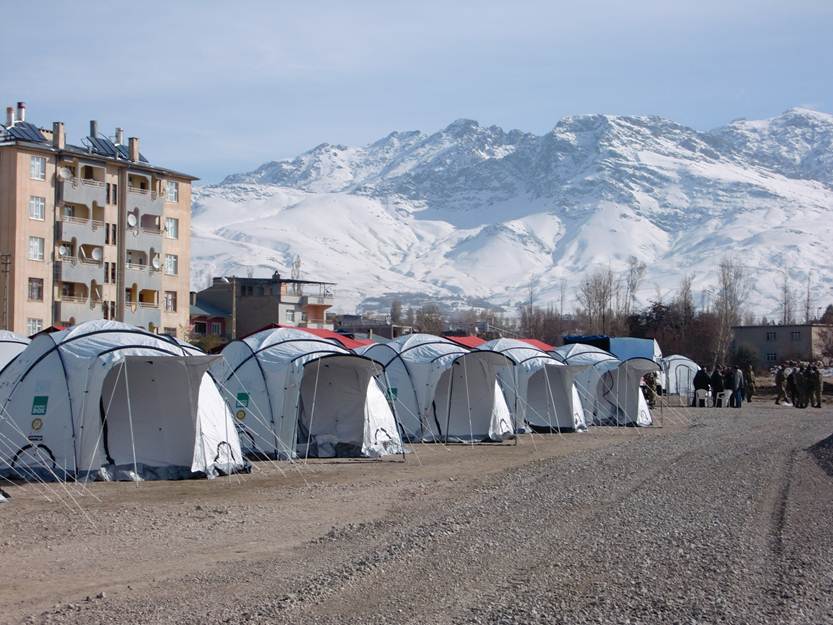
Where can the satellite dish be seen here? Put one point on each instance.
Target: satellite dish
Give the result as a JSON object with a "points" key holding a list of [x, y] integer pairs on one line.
{"points": [[131, 220], [64, 173], [63, 251], [155, 262], [96, 254]]}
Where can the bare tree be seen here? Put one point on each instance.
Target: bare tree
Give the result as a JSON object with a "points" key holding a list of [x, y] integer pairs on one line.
{"points": [[396, 311], [430, 320], [595, 297], [633, 278], [786, 301], [732, 293]]}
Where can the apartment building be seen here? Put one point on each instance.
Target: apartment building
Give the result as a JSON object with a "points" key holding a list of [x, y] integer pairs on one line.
{"points": [[233, 307], [773, 344], [89, 231]]}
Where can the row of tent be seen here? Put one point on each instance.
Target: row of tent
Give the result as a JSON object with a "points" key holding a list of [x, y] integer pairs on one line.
{"points": [[105, 400]]}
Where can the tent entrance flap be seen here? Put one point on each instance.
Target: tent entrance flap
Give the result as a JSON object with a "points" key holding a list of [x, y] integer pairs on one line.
{"points": [[465, 399], [149, 413], [332, 407]]}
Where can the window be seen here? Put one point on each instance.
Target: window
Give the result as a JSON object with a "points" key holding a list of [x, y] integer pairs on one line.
{"points": [[172, 191], [35, 289], [37, 168], [37, 208], [109, 310], [33, 326], [67, 289], [216, 328], [290, 315], [36, 247], [69, 210], [171, 228], [170, 301], [171, 264], [114, 199], [169, 331], [770, 336], [113, 234], [795, 335], [770, 357]]}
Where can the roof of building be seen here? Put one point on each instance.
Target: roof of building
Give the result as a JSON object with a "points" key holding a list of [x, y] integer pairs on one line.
{"points": [[545, 347], [466, 341], [202, 309], [788, 325], [98, 147]]}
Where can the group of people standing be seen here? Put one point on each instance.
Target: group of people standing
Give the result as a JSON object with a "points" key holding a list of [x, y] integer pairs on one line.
{"points": [[799, 384], [740, 381]]}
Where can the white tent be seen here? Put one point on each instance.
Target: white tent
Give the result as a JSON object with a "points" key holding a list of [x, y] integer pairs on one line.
{"points": [[539, 389], [678, 376], [294, 393], [610, 387], [443, 391], [106, 400], [11, 345]]}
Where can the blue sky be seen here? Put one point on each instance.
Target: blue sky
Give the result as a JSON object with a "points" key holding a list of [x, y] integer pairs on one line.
{"points": [[213, 88]]}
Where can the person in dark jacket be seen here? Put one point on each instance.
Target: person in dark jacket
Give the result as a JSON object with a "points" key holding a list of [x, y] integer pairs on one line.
{"points": [[701, 383], [729, 382], [716, 384]]}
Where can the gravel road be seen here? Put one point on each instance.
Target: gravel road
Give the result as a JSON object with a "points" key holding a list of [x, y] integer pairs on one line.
{"points": [[721, 516]]}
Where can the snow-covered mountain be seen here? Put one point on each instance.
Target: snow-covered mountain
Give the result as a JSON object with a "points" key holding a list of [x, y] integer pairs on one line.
{"points": [[474, 214]]}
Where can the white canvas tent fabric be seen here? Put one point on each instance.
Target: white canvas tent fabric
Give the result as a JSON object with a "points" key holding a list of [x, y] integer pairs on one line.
{"points": [[539, 389], [678, 374], [11, 345], [443, 391], [106, 400], [294, 393], [610, 388]]}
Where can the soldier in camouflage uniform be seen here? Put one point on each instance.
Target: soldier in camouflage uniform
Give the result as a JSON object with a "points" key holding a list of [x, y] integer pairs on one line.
{"points": [[749, 380], [779, 384], [817, 383]]}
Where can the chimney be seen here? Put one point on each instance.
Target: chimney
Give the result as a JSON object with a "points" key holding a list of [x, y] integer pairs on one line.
{"points": [[119, 136], [58, 137], [9, 116], [21, 111], [93, 128], [133, 148]]}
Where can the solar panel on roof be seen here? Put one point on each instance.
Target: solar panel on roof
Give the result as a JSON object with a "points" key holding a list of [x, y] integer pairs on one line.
{"points": [[102, 146], [26, 132]]}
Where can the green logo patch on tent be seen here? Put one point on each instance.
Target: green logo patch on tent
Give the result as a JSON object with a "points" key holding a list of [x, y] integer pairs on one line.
{"points": [[242, 400], [39, 405]]}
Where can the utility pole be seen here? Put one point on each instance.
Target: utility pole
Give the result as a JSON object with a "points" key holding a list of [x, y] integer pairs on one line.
{"points": [[5, 268], [234, 307]]}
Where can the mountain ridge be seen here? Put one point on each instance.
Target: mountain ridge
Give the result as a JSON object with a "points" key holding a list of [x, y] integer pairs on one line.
{"points": [[472, 211]]}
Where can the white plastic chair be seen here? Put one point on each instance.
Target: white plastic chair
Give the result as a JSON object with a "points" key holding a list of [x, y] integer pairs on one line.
{"points": [[701, 398], [723, 398]]}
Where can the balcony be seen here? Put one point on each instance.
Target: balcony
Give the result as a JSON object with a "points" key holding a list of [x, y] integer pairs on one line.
{"points": [[82, 229], [142, 194], [83, 191], [71, 268], [322, 299]]}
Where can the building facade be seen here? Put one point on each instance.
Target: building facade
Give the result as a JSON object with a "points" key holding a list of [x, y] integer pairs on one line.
{"points": [[89, 231], [773, 344], [239, 306]]}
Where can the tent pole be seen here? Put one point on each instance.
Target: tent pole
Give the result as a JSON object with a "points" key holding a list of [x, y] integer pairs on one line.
{"points": [[450, 390], [395, 415], [312, 410], [468, 399], [130, 421]]}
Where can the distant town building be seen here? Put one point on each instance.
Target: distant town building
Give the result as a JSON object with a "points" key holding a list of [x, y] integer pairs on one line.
{"points": [[89, 231], [364, 327], [233, 307], [776, 343]]}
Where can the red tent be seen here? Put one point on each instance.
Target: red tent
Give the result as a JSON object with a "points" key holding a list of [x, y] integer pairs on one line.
{"points": [[472, 342], [539, 344], [345, 341]]}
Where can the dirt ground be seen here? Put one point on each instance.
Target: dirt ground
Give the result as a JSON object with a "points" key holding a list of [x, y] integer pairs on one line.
{"points": [[453, 534]]}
